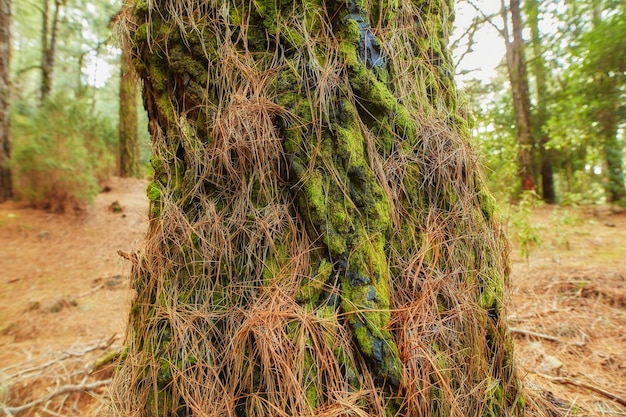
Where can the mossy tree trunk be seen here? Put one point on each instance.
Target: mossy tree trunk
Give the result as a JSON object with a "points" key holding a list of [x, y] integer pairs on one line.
{"points": [[6, 187], [320, 239], [130, 153]]}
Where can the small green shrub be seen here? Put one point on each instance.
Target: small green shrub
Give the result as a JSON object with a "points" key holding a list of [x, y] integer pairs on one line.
{"points": [[61, 153], [523, 230]]}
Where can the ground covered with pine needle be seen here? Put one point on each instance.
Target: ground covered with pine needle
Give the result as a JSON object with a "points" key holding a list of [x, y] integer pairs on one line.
{"points": [[64, 299]]}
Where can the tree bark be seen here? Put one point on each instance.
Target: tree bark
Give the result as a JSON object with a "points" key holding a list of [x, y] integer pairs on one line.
{"points": [[518, 77], [540, 115], [614, 187], [49, 33], [606, 91], [130, 161], [320, 239], [6, 186]]}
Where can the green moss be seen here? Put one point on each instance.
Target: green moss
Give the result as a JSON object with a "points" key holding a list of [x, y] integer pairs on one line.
{"points": [[390, 8], [310, 368], [379, 218], [153, 191], [141, 34], [351, 32], [340, 220], [335, 243], [378, 347], [365, 299], [487, 204], [140, 7], [292, 37], [164, 374], [350, 144], [311, 290], [292, 141], [234, 14], [364, 338], [315, 196], [348, 52], [268, 11], [158, 77], [376, 95], [275, 262], [491, 290], [182, 62]]}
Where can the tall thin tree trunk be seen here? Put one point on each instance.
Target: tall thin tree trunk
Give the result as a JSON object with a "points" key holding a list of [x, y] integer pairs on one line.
{"points": [[615, 189], [518, 77], [6, 187], [130, 162], [320, 239], [49, 34], [540, 115], [607, 92]]}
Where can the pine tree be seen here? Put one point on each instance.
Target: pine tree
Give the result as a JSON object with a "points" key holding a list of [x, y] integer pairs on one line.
{"points": [[320, 239], [130, 153], [6, 189]]}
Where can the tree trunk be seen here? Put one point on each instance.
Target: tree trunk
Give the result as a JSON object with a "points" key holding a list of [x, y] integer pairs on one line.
{"points": [[130, 162], [614, 187], [518, 77], [320, 239], [6, 187], [540, 115], [607, 110], [49, 32]]}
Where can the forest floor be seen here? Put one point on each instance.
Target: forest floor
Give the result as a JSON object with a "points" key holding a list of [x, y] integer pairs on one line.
{"points": [[64, 298]]}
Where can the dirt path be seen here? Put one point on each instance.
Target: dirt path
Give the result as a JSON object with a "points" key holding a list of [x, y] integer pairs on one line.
{"points": [[64, 290], [64, 298]]}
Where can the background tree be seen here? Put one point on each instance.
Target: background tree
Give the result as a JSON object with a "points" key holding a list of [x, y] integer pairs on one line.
{"points": [[589, 107], [540, 113], [568, 150], [130, 152], [6, 187], [518, 78], [68, 147], [605, 65], [320, 241], [49, 35]]}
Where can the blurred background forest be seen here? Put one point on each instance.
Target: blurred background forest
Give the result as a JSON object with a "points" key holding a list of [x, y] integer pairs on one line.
{"points": [[544, 82]]}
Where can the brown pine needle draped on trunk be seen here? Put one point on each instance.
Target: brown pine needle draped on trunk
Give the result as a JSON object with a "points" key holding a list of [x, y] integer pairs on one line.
{"points": [[320, 241]]}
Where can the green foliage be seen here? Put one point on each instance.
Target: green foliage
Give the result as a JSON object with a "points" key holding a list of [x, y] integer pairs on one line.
{"points": [[495, 135], [60, 153], [527, 234], [581, 108], [82, 48]]}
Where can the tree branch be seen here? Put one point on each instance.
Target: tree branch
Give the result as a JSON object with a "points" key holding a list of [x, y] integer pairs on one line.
{"points": [[601, 391], [535, 334], [488, 18], [65, 389]]}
